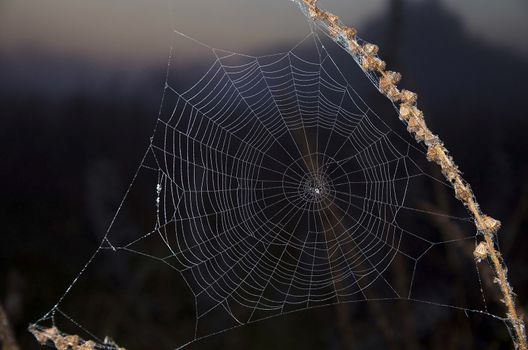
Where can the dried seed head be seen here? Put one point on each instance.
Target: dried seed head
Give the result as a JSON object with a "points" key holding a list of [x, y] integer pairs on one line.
{"points": [[45, 335], [350, 33], [315, 13], [88, 345], [421, 134], [392, 93], [431, 139], [354, 47], [449, 170], [370, 49], [334, 31], [387, 85], [380, 65], [392, 77], [488, 225], [370, 63], [418, 114], [481, 252], [321, 15], [408, 112], [413, 122], [72, 340], [462, 192], [415, 128], [434, 153], [408, 97], [405, 112], [60, 343], [333, 19], [41, 338]]}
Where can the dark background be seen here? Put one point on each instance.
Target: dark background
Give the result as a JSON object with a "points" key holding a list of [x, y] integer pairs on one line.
{"points": [[76, 117]]}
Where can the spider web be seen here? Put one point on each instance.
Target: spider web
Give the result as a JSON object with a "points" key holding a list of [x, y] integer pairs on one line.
{"points": [[279, 189]]}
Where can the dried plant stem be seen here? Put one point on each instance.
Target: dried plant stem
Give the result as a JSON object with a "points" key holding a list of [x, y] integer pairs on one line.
{"points": [[61, 341], [366, 55]]}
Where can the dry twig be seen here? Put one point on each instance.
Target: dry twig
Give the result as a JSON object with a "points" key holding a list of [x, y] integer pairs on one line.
{"points": [[366, 54], [61, 341]]}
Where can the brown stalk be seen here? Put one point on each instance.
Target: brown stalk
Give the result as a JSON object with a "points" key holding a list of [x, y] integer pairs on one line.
{"points": [[366, 55], [62, 341]]}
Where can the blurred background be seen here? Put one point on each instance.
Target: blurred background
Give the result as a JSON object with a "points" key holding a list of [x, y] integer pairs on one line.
{"points": [[80, 88]]}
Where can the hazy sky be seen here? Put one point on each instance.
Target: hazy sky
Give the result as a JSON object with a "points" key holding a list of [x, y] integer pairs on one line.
{"points": [[138, 31]]}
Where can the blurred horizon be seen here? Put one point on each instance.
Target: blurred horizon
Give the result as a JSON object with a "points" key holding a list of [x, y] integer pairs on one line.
{"points": [[100, 46], [139, 32]]}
